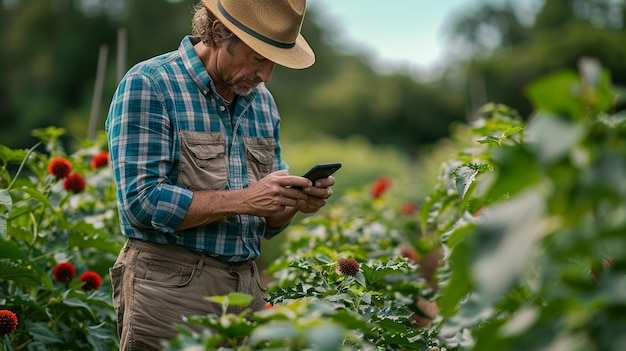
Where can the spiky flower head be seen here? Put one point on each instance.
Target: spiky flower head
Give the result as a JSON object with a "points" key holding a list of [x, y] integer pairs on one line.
{"points": [[100, 160], [349, 266], [64, 272], [74, 182], [8, 322], [91, 281], [59, 167]]}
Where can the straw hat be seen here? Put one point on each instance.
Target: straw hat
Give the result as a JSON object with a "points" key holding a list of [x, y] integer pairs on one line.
{"points": [[269, 27]]}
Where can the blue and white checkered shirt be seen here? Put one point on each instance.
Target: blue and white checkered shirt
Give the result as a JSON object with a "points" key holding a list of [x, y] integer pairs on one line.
{"points": [[169, 103]]}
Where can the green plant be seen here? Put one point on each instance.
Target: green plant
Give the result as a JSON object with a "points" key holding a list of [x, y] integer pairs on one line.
{"points": [[57, 223], [541, 265]]}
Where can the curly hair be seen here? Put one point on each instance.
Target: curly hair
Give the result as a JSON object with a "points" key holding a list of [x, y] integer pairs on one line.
{"points": [[202, 24]]}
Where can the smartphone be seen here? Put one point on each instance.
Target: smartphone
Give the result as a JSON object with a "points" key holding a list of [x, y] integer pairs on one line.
{"points": [[320, 171]]}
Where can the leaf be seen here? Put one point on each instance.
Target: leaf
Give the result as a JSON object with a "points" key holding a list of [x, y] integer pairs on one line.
{"points": [[35, 194], [7, 202], [239, 299], [78, 303], [232, 299], [553, 94], [41, 333], [504, 242], [5, 199], [274, 330], [360, 278], [323, 258], [19, 273], [489, 140], [8, 155], [459, 284], [9, 249], [326, 337], [465, 176], [381, 270], [512, 131], [49, 134], [542, 141]]}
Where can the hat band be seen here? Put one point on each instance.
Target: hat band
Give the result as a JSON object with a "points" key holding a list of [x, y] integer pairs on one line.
{"points": [[252, 32]]}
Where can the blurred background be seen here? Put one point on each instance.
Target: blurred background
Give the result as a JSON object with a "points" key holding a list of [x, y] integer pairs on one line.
{"points": [[373, 100]]}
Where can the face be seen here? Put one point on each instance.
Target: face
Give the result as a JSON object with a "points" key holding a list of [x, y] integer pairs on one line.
{"points": [[241, 69]]}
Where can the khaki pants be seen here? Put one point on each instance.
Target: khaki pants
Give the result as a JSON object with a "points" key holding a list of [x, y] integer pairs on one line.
{"points": [[155, 285]]}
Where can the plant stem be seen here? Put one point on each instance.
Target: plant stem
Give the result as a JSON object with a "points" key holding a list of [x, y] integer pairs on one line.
{"points": [[19, 170]]}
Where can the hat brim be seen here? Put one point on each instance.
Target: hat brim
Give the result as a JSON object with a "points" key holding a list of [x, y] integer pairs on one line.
{"points": [[297, 57]]}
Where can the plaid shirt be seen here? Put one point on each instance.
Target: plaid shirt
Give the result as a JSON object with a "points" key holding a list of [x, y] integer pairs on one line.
{"points": [[156, 101]]}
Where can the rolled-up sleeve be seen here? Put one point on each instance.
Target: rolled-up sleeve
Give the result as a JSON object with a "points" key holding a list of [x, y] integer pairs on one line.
{"points": [[141, 143]]}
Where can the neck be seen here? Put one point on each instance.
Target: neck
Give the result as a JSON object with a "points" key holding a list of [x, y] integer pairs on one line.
{"points": [[208, 60]]}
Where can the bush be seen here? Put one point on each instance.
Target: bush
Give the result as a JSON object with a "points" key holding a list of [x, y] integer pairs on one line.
{"points": [[58, 236]]}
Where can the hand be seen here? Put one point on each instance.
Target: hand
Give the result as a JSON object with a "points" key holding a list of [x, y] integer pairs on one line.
{"points": [[318, 195], [272, 194]]}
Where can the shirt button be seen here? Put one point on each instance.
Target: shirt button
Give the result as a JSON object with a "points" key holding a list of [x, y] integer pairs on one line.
{"points": [[222, 108], [204, 92]]}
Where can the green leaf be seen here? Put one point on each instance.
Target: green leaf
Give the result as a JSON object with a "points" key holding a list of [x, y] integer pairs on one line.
{"points": [[232, 299], [239, 299], [542, 140], [78, 303], [360, 278], [325, 337], [489, 140], [553, 94], [381, 270], [459, 284], [5, 202], [504, 243], [35, 194], [41, 333], [49, 134], [512, 131], [5, 199], [274, 330], [465, 176], [323, 258], [19, 273], [9, 249], [8, 155]]}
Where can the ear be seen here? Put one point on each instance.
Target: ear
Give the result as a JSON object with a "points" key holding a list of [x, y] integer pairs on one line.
{"points": [[216, 28]]}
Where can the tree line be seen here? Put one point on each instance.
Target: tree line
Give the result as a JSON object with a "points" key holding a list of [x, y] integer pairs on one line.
{"points": [[50, 50]]}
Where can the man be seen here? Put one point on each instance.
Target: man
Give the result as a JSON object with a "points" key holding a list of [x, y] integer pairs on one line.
{"points": [[194, 142]]}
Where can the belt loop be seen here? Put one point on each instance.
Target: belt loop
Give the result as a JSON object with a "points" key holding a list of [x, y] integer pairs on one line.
{"points": [[200, 264], [126, 245]]}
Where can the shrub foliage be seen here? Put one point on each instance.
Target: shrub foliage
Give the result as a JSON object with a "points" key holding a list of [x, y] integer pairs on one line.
{"points": [[519, 245]]}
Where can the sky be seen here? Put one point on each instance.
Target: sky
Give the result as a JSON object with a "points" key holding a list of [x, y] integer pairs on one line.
{"points": [[409, 34]]}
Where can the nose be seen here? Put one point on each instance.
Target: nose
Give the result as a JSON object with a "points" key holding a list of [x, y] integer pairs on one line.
{"points": [[265, 71]]}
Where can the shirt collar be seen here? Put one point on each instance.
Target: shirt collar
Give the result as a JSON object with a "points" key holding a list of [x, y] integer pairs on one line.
{"points": [[193, 64]]}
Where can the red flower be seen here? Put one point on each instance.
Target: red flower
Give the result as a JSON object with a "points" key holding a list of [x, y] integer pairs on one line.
{"points": [[408, 208], [64, 272], [410, 253], [349, 266], [74, 182], [59, 167], [100, 160], [91, 281], [268, 305], [380, 185], [8, 322]]}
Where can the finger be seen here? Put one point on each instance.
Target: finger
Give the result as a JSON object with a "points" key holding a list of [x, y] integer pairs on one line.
{"points": [[325, 182], [323, 193]]}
